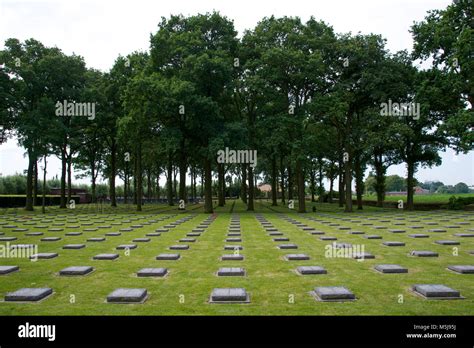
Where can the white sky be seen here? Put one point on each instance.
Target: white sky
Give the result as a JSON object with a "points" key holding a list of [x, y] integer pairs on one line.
{"points": [[100, 30]]}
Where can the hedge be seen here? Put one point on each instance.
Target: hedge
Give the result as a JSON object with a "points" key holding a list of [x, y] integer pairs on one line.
{"points": [[20, 201]]}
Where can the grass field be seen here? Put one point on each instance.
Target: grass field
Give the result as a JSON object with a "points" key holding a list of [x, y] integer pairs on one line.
{"points": [[430, 198], [270, 280]]}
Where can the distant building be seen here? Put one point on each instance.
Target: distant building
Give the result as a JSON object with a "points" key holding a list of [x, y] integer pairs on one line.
{"points": [[84, 197]]}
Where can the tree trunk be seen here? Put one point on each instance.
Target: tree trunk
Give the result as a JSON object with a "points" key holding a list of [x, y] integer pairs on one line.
{"points": [[348, 184], [274, 181], [169, 182], [62, 204], [251, 189], [182, 176], [175, 182], [301, 187], [69, 177], [290, 183], [410, 184], [148, 184], [35, 182], [243, 188], [29, 182], [331, 189], [43, 203], [135, 201], [320, 179], [282, 184], [113, 173], [138, 175], [93, 185], [208, 186], [312, 180], [341, 183], [359, 175], [220, 184], [379, 180], [125, 189]]}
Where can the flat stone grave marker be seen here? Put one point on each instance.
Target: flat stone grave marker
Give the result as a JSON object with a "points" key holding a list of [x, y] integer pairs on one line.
{"points": [[55, 229], [74, 246], [396, 231], [356, 232], [168, 257], [231, 272], [152, 272], [464, 269], [327, 238], [127, 296], [19, 230], [230, 240], [296, 257], [28, 294], [233, 247], [391, 269], [229, 295], [44, 256], [232, 257], [447, 242], [416, 227], [76, 271], [22, 246], [141, 240], [317, 232], [187, 240], [281, 239], [179, 247], [126, 246], [393, 244], [106, 257], [343, 228], [418, 235], [113, 234], [333, 293], [8, 269], [308, 228], [7, 239], [437, 230], [363, 256], [423, 253], [464, 235], [372, 236], [275, 234], [96, 239], [50, 239], [343, 245], [73, 234], [287, 246], [34, 234], [305, 270], [161, 230], [436, 291], [193, 234], [127, 229]]}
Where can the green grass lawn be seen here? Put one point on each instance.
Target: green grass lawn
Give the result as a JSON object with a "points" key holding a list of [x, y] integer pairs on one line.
{"points": [[430, 198], [270, 280]]}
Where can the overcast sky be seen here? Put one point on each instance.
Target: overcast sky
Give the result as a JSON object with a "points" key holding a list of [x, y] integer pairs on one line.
{"points": [[101, 30]]}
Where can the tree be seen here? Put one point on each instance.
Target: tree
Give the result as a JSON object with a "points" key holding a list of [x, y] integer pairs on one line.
{"points": [[461, 187]]}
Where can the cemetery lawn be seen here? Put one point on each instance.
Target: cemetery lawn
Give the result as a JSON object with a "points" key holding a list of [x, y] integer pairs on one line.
{"points": [[270, 280], [442, 198]]}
